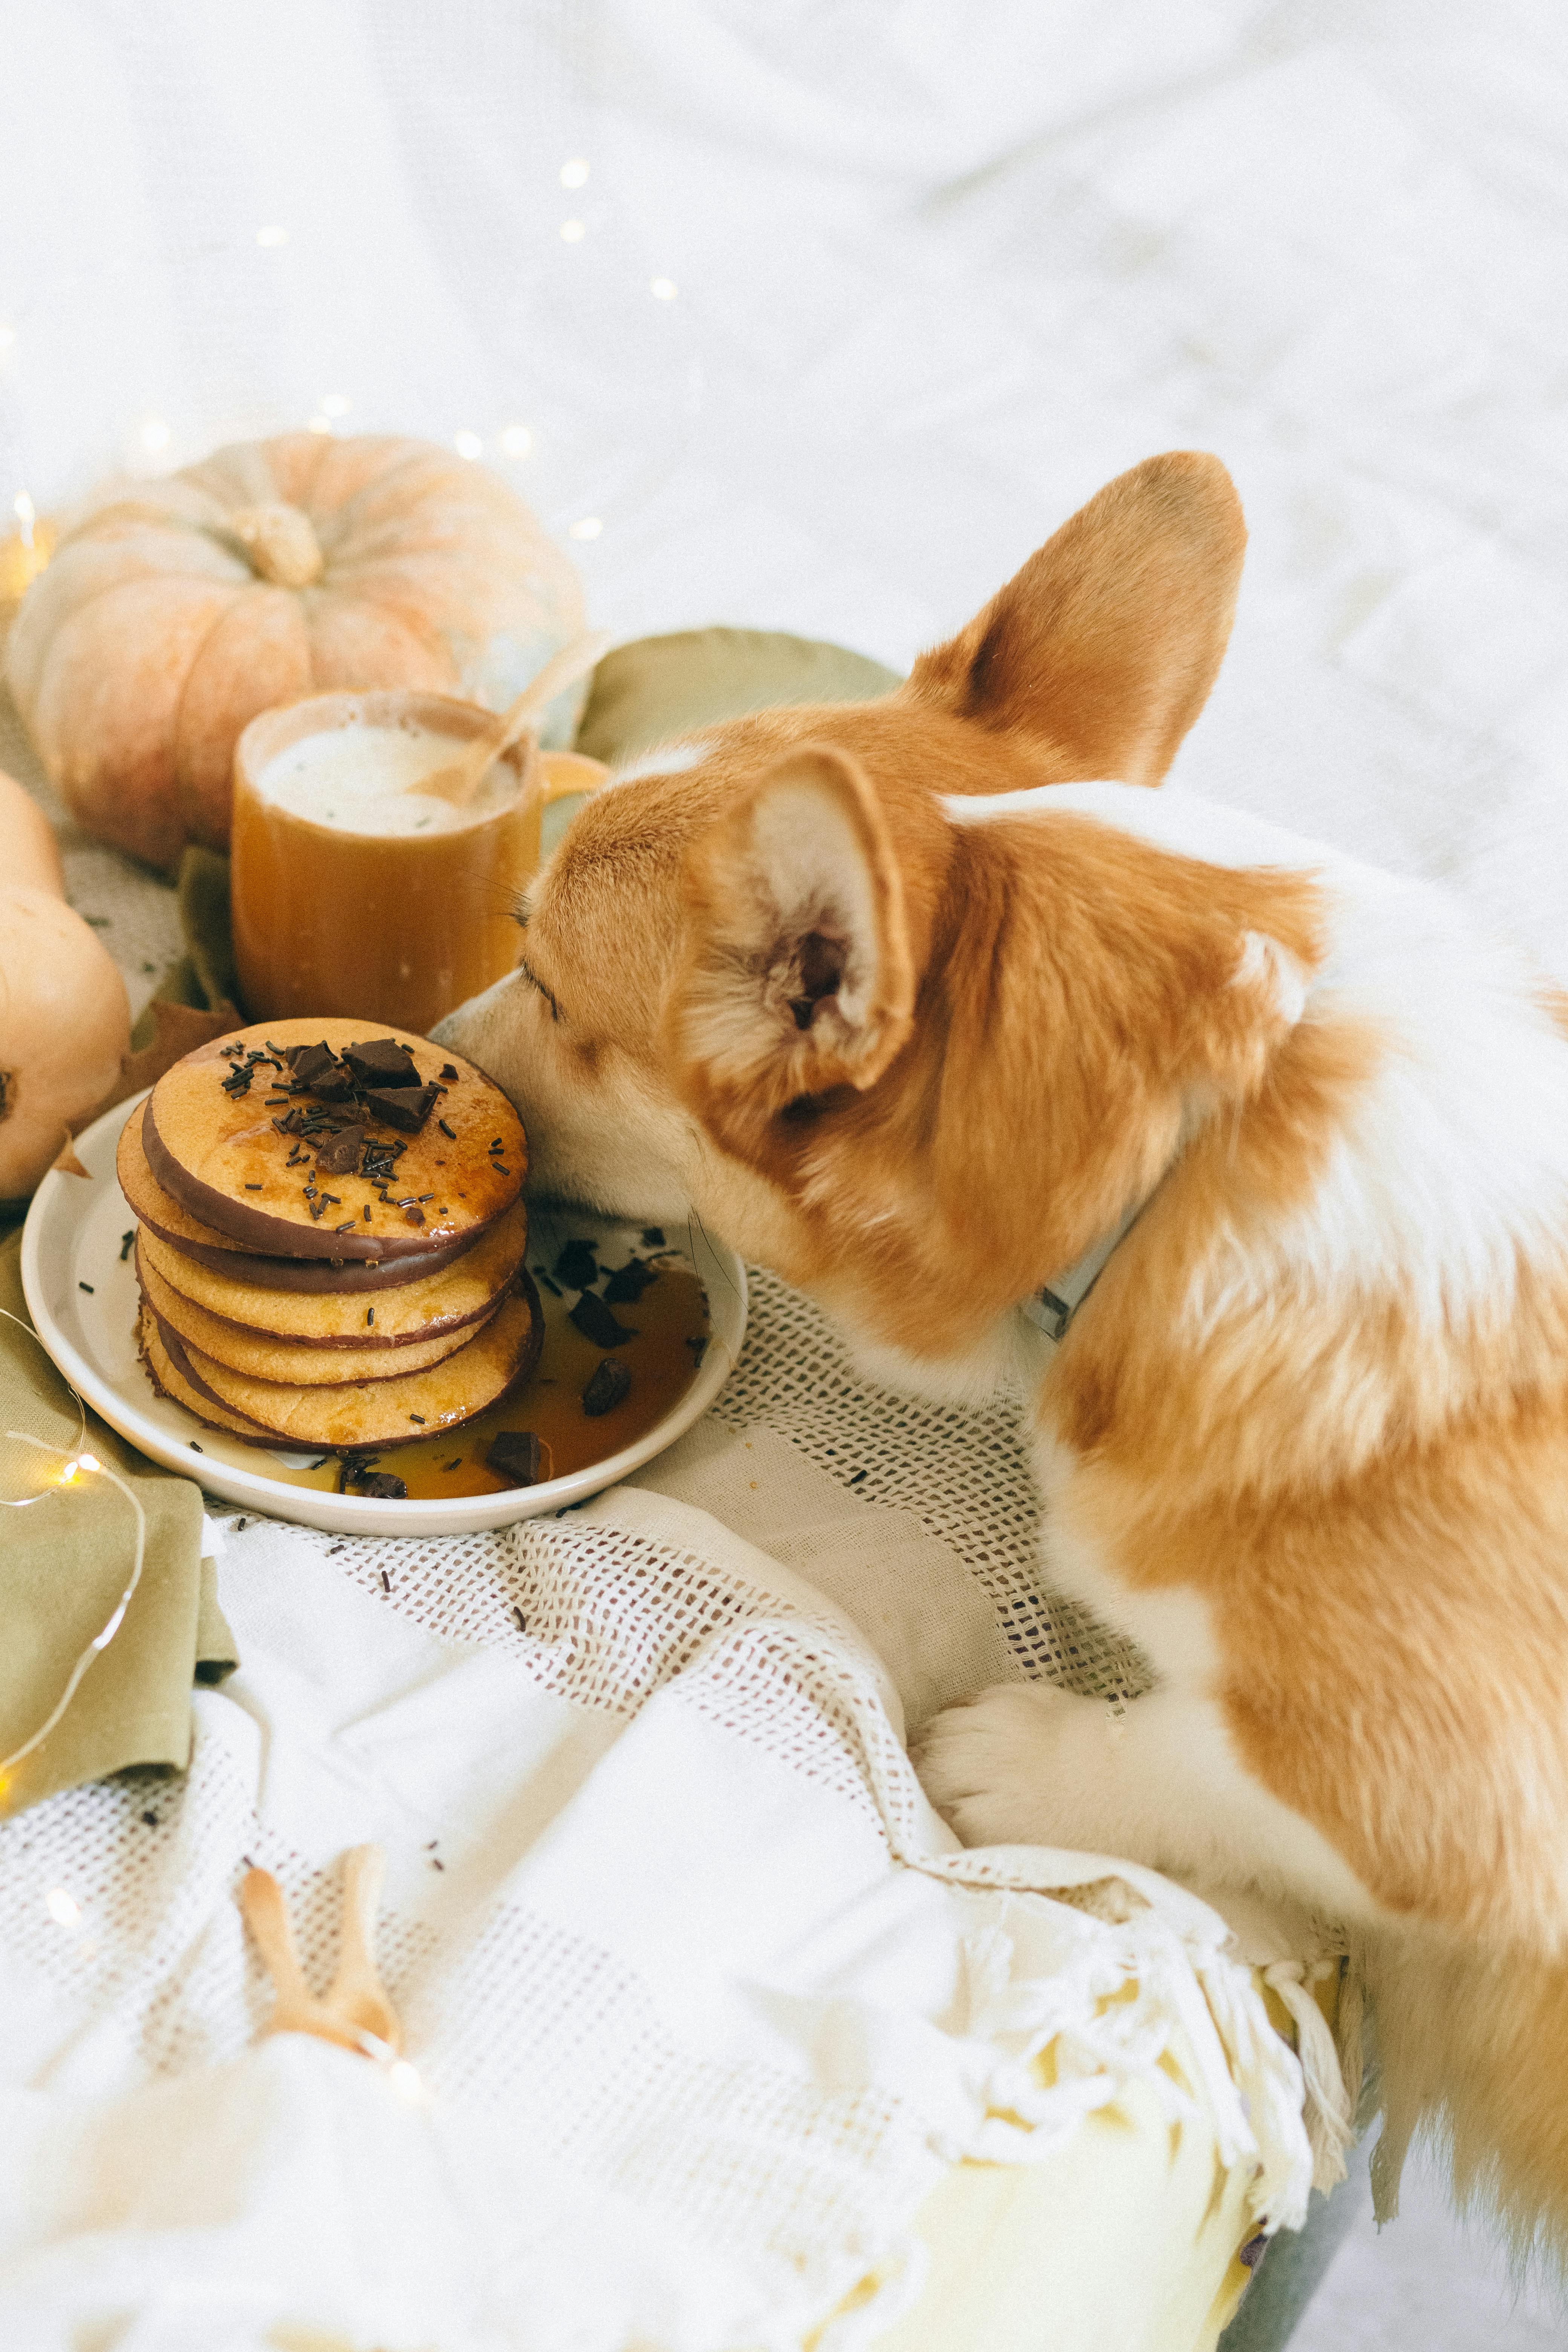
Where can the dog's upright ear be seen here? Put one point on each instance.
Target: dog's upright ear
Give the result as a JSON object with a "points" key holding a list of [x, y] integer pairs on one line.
{"points": [[795, 976], [1104, 648]]}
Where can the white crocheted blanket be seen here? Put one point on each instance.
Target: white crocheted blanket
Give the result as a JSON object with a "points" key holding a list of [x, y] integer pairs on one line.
{"points": [[700, 1995]]}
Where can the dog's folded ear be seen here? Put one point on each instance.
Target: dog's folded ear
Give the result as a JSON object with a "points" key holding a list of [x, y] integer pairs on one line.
{"points": [[795, 976], [1104, 648]]}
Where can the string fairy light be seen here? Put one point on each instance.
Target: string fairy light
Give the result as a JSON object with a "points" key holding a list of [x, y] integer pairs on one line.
{"points": [[402, 2077], [77, 1462]]}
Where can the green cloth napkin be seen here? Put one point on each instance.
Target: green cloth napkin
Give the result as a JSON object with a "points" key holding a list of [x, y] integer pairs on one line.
{"points": [[64, 1561]]}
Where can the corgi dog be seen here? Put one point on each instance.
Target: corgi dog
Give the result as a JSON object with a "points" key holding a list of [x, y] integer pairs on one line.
{"points": [[1246, 1164]]}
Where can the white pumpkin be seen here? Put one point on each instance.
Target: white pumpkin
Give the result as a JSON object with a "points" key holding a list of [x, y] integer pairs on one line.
{"points": [[65, 1020]]}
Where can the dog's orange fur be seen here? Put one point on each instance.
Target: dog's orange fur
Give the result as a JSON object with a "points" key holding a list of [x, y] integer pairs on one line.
{"points": [[1372, 1511]]}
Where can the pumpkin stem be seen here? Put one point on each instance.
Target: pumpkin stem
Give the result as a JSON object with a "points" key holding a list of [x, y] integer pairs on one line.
{"points": [[280, 544]]}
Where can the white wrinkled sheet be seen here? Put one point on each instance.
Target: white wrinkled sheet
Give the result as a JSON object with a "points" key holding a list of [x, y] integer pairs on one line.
{"points": [[941, 272]]}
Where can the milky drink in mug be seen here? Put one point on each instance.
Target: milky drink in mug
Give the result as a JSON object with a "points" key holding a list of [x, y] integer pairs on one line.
{"points": [[353, 892]]}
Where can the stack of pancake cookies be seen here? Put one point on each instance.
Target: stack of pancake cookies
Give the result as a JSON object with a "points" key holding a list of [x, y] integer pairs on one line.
{"points": [[330, 1237]]}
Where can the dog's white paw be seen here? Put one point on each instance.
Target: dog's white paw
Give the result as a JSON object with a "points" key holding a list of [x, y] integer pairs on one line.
{"points": [[986, 1764]]}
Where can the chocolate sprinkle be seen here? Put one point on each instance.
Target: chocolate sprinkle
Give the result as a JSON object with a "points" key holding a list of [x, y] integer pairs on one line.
{"points": [[87, 1287], [516, 1455], [451, 1133], [126, 1240], [608, 1388]]}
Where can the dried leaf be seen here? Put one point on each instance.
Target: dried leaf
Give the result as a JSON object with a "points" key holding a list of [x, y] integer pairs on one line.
{"points": [[177, 1029]]}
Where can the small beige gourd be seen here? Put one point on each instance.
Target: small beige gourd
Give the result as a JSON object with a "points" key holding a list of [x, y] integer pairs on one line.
{"points": [[65, 1020]]}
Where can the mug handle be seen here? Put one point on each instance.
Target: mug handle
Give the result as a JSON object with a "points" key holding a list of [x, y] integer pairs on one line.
{"points": [[563, 773]]}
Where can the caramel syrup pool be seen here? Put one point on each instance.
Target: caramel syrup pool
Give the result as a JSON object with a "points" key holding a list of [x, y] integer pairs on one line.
{"points": [[670, 1323]]}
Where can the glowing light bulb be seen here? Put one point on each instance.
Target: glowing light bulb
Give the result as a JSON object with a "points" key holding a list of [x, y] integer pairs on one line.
{"points": [[663, 289], [87, 1462], [335, 403], [155, 436], [404, 2080], [468, 444], [572, 232], [575, 174], [62, 1907], [589, 527], [318, 424], [517, 441], [26, 514], [273, 234]]}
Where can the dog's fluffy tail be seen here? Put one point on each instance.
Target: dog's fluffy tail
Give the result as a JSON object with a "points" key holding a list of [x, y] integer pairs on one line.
{"points": [[1474, 2055]]}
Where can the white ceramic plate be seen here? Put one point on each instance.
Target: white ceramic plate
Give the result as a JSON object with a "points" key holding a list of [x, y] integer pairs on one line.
{"points": [[82, 1297]]}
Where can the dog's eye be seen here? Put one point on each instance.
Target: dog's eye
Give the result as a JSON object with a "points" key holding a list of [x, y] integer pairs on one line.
{"points": [[532, 976]]}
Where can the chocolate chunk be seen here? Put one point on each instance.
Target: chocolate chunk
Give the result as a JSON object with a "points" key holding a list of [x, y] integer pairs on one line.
{"points": [[653, 1237], [341, 1156], [595, 1322], [382, 1062], [577, 1266], [628, 1282], [318, 1068], [608, 1388], [407, 1111], [414, 1216], [448, 1070], [517, 1455], [381, 1486]]}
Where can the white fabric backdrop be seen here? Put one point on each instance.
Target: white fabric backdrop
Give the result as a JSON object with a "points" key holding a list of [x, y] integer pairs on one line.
{"points": [[925, 276], [940, 272]]}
